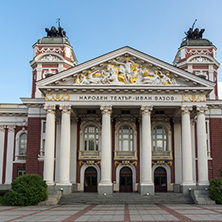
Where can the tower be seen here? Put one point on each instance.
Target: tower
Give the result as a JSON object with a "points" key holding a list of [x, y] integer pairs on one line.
{"points": [[51, 55], [198, 56]]}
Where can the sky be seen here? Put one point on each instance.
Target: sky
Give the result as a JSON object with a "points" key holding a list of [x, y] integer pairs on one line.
{"points": [[96, 27]]}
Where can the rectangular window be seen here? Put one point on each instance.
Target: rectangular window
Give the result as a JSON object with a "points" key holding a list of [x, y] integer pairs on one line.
{"points": [[21, 170], [43, 137], [208, 138]]}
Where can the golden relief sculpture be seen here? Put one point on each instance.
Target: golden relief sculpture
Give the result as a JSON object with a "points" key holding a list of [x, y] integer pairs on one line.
{"points": [[194, 98], [125, 162], [89, 162], [126, 72], [57, 97]]}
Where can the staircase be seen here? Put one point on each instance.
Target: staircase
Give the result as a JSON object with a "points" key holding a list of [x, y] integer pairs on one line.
{"points": [[125, 198]]}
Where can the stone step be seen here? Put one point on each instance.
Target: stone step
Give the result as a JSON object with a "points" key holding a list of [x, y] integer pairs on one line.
{"points": [[125, 198]]}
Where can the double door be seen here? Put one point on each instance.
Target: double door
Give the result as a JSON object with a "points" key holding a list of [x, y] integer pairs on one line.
{"points": [[160, 180], [126, 180], [90, 183]]}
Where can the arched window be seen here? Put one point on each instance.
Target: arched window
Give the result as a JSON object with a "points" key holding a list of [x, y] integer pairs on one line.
{"points": [[159, 138], [126, 138], [22, 144], [91, 136]]}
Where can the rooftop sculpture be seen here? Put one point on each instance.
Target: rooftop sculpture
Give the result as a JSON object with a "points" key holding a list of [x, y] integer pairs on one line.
{"points": [[194, 34], [53, 32]]}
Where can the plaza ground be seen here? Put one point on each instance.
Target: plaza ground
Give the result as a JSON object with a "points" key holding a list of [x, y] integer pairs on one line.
{"points": [[118, 212]]}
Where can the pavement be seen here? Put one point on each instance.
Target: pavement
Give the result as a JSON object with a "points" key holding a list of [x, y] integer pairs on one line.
{"points": [[118, 212]]}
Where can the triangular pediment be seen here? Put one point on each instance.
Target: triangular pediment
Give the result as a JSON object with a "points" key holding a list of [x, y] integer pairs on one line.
{"points": [[125, 67]]}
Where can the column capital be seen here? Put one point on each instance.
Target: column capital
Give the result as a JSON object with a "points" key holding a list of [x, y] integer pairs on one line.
{"points": [[201, 109], [11, 128], [74, 120], [186, 109], [176, 120], [146, 109], [65, 108], [106, 110], [2, 128], [50, 109]]}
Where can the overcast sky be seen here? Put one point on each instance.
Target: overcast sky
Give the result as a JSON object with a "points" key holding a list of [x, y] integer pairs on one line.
{"points": [[96, 27]]}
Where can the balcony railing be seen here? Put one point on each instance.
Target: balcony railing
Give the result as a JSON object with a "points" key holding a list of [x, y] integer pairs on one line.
{"points": [[20, 157], [125, 155], [162, 155], [89, 155]]}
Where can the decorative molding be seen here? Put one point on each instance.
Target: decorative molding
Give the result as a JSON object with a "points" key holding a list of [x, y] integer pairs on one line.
{"points": [[50, 49], [89, 162], [201, 110], [162, 162], [91, 117], [125, 162], [199, 52], [50, 58], [106, 110], [200, 59], [50, 109], [58, 97], [125, 118], [146, 109], [194, 98]]}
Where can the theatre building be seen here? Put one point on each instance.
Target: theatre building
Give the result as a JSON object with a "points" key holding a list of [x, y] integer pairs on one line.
{"points": [[121, 122]]}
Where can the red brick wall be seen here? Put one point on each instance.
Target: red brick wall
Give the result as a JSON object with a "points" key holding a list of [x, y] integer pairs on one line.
{"points": [[216, 145], [33, 146]]}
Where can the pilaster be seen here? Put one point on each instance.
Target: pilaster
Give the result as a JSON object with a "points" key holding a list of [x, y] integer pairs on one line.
{"points": [[49, 145], [187, 163], [2, 143], [202, 147]]}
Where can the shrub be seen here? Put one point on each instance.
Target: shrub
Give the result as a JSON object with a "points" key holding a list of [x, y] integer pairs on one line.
{"points": [[26, 190], [3, 192], [216, 190]]}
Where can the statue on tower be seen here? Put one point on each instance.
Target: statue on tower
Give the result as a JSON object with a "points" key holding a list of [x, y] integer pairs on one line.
{"points": [[53, 32], [194, 34]]}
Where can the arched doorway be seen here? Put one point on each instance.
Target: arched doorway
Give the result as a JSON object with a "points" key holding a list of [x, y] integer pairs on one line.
{"points": [[126, 180], [160, 180], [90, 181]]}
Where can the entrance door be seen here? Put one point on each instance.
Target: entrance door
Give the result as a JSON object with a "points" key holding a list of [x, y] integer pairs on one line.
{"points": [[90, 183], [160, 180], [126, 180]]}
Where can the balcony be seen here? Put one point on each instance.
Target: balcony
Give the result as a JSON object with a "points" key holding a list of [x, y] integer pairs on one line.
{"points": [[89, 155], [162, 155], [125, 155], [20, 157]]}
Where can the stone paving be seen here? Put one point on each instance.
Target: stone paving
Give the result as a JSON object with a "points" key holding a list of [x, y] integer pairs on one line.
{"points": [[120, 212]]}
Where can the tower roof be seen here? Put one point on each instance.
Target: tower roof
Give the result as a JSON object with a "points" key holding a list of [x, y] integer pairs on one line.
{"points": [[196, 42], [53, 40]]}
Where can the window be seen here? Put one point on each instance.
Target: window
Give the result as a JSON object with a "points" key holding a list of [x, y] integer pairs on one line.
{"points": [[126, 138], [22, 144], [159, 138], [91, 134], [21, 170], [43, 136]]}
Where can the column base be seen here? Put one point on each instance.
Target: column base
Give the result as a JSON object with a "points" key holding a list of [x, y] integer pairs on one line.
{"points": [[203, 184], [65, 188], [186, 188], [146, 189], [105, 189]]}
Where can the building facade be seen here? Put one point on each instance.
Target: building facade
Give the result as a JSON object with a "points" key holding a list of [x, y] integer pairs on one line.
{"points": [[122, 122]]}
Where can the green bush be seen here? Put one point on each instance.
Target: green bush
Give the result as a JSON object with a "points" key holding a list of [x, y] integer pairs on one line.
{"points": [[26, 190], [216, 190], [3, 192]]}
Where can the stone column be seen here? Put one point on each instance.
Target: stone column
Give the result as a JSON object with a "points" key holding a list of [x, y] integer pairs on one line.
{"points": [[58, 145], [177, 154], [49, 145], [10, 152], [105, 185], [2, 145], [187, 159], [202, 147], [64, 163], [146, 182], [73, 153]]}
